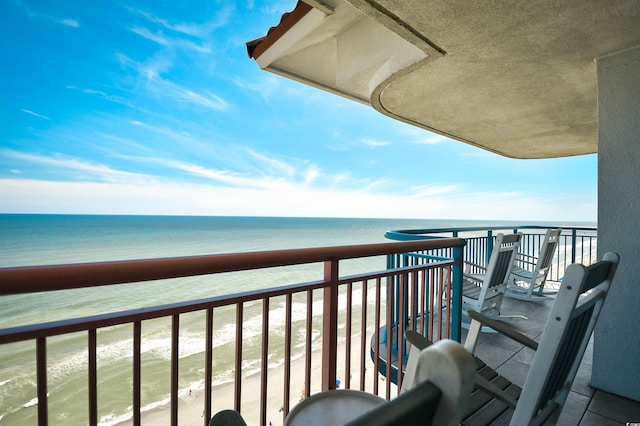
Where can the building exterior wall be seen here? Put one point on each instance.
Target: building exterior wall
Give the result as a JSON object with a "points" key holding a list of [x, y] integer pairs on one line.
{"points": [[616, 357]]}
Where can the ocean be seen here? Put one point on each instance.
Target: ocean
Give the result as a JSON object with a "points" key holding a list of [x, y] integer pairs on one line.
{"points": [[27, 240]]}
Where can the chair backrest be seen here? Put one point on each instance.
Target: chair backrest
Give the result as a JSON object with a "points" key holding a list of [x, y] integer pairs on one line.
{"points": [[437, 383], [501, 263], [548, 249], [565, 338], [448, 367], [416, 407], [227, 418]]}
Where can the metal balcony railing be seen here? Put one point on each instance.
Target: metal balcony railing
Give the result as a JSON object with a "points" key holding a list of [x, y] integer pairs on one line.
{"points": [[577, 244], [336, 319], [331, 324]]}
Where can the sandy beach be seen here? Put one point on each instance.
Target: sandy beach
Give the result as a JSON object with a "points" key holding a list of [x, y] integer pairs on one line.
{"points": [[191, 406]]}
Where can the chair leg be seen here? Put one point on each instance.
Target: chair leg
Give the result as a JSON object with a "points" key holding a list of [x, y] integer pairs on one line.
{"points": [[472, 336]]}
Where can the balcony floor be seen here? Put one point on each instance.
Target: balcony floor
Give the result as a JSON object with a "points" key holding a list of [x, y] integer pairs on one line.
{"points": [[585, 405]]}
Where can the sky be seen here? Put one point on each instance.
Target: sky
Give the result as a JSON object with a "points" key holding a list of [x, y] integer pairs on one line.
{"points": [[149, 107]]}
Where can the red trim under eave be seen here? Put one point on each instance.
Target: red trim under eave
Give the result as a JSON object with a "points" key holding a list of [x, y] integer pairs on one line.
{"points": [[257, 47]]}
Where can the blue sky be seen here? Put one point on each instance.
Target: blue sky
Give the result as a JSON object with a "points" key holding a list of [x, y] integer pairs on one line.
{"points": [[147, 107]]}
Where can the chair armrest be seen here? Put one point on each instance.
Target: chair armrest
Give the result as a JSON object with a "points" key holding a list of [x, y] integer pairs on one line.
{"points": [[529, 258], [468, 266], [473, 277], [445, 364], [421, 342], [494, 391], [504, 329], [477, 270], [523, 262], [417, 339], [419, 402]]}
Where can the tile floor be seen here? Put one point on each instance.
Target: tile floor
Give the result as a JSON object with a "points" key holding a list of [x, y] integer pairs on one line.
{"points": [[585, 406]]}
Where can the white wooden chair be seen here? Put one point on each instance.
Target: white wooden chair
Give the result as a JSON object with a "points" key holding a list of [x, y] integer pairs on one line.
{"points": [[438, 382], [483, 287], [495, 400], [529, 273], [557, 357]]}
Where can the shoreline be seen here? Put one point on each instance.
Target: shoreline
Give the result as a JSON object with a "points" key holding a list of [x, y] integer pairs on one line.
{"points": [[191, 406]]}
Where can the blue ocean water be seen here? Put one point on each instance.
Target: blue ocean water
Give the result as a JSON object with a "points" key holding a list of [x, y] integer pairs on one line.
{"points": [[58, 239]]}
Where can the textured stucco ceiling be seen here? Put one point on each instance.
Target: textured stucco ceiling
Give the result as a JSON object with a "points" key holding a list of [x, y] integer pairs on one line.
{"points": [[516, 78]]}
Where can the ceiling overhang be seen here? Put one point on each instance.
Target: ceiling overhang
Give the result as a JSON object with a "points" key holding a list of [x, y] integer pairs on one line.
{"points": [[516, 78]]}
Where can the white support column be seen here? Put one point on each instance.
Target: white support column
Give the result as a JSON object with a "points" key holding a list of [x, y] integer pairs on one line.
{"points": [[616, 356]]}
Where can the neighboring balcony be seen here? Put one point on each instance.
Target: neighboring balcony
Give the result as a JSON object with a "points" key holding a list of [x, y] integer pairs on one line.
{"points": [[314, 335]]}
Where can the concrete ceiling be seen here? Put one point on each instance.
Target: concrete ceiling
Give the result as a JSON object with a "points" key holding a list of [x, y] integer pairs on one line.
{"points": [[513, 77]]}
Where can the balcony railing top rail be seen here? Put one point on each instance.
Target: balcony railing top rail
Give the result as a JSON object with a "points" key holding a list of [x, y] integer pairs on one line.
{"points": [[20, 280], [430, 233], [578, 244]]}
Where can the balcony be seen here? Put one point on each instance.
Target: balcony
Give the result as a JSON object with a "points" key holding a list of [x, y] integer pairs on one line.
{"points": [[284, 342]]}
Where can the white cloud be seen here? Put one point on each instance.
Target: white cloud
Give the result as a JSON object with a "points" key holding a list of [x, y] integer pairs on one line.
{"points": [[98, 93], [70, 23], [34, 114], [189, 28], [170, 89], [36, 196], [111, 98], [188, 36], [339, 178], [374, 143], [276, 8], [79, 169], [165, 89], [272, 165], [430, 191], [265, 86], [311, 174], [431, 139], [150, 69], [278, 178], [221, 176], [163, 40], [41, 16], [147, 34], [204, 99], [420, 136]]}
